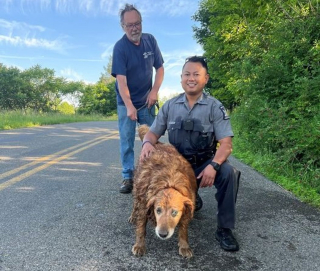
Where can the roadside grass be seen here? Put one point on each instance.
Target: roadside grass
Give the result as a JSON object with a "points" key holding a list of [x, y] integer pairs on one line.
{"points": [[295, 180], [18, 119]]}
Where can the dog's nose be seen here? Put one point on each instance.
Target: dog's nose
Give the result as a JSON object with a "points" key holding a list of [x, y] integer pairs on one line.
{"points": [[163, 234]]}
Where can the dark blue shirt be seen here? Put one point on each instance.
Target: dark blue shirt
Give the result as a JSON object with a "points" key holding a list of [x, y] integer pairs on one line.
{"points": [[136, 62]]}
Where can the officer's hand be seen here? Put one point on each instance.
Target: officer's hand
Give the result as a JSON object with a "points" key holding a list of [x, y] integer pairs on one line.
{"points": [[208, 176], [146, 151], [132, 112]]}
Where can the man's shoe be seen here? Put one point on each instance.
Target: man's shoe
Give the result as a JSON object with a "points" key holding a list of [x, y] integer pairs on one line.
{"points": [[199, 202], [226, 239], [127, 186]]}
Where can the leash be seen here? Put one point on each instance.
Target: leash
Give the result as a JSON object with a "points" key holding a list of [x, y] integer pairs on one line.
{"points": [[156, 104]]}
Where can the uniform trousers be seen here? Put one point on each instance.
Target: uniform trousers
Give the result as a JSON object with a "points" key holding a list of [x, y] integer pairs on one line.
{"points": [[227, 184]]}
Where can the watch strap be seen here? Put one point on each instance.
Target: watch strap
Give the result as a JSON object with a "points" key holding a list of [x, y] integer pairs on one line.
{"points": [[215, 165]]}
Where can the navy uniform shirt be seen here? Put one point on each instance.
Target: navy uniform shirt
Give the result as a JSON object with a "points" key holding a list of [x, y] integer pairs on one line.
{"points": [[193, 130]]}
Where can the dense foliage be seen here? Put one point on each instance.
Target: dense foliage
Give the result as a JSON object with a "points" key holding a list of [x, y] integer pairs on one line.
{"points": [[101, 97], [264, 57], [98, 98], [34, 88]]}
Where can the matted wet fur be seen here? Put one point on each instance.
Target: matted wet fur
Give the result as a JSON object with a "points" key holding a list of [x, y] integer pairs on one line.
{"points": [[164, 191]]}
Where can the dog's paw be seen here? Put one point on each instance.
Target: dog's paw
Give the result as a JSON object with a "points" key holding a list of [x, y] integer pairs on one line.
{"points": [[132, 219], [138, 250], [185, 252]]}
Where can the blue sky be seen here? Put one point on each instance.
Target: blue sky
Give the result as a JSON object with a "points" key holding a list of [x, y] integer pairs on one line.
{"points": [[76, 37]]}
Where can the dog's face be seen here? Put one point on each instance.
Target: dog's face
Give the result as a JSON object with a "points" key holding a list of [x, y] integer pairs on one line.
{"points": [[168, 207]]}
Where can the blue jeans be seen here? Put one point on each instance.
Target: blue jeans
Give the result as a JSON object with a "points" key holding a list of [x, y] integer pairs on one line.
{"points": [[127, 131]]}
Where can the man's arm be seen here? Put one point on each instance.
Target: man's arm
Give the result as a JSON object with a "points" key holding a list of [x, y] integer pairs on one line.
{"points": [[125, 95], [153, 95], [224, 150]]}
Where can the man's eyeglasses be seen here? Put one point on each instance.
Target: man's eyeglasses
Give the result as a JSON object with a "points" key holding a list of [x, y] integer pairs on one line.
{"points": [[131, 26]]}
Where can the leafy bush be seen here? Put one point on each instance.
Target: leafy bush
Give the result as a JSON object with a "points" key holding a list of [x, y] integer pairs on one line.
{"points": [[66, 108]]}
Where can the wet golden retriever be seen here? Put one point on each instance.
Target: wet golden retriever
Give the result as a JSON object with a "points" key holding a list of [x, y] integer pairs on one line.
{"points": [[164, 191]]}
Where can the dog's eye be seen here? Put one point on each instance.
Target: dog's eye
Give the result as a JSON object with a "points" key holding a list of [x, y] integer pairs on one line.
{"points": [[158, 210], [174, 213]]}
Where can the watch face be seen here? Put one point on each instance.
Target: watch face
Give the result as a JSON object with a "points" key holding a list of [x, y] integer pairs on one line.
{"points": [[215, 165]]}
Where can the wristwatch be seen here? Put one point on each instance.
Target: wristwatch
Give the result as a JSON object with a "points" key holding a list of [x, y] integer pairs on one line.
{"points": [[215, 165]]}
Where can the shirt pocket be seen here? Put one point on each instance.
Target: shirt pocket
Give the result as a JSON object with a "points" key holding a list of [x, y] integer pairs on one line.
{"points": [[202, 137], [175, 134]]}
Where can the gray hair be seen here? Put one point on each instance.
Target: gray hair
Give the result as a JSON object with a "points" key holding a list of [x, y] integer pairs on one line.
{"points": [[128, 7]]}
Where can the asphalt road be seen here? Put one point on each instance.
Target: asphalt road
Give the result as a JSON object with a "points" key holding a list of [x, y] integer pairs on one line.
{"points": [[60, 210]]}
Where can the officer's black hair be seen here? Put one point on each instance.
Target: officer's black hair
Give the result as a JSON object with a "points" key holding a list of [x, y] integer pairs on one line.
{"points": [[199, 59]]}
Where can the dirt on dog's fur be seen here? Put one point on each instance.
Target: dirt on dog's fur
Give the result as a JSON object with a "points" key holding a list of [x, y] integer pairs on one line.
{"points": [[164, 190]]}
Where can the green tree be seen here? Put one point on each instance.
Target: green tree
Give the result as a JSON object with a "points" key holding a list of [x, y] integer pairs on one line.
{"points": [[14, 91], [44, 92], [233, 35], [35, 88], [100, 97]]}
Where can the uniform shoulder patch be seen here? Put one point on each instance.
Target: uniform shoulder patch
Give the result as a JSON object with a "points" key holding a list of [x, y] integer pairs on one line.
{"points": [[224, 112]]}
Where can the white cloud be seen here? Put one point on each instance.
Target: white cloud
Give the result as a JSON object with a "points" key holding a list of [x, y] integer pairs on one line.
{"points": [[22, 34], [71, 75], [108, 51], [19, 26], [30, 5], [53, 45], [172, 8], [173, 62], [110, 6], [63, 6], [86, 5], [44, 4]]}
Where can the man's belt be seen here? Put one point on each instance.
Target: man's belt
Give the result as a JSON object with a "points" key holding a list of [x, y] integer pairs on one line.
{"points": [[196, 160]]}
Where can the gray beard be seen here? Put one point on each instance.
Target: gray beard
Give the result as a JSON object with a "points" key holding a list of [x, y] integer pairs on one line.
{"points": [[136, 38]]}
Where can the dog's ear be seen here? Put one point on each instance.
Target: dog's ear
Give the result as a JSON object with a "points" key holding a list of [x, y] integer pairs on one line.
{"points": [[189, 207], [150, 212], [151, 202]]}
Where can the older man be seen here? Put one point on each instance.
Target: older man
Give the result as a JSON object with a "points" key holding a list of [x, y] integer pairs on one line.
{"points": [[135, 56]]}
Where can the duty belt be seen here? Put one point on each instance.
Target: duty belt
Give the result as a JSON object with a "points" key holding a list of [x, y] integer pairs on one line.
{"points": [[196, 160]]}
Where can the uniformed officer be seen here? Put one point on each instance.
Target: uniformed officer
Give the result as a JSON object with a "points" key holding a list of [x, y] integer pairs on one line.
{"points": [[195, 123]]}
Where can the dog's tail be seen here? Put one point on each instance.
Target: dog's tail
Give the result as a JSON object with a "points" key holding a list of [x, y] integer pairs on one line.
{"points": [[142, 130]]}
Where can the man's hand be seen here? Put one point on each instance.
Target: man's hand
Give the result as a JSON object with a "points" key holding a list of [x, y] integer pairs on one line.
{"points": [[208, 176], [132, 112], [153, 95], [146, 151], [152, 98]]}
